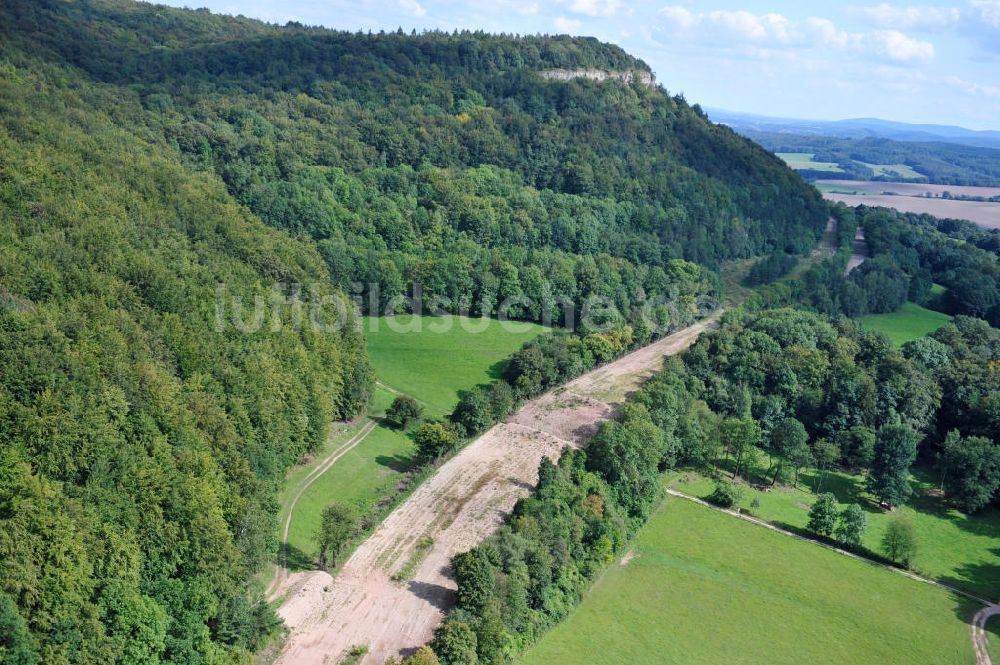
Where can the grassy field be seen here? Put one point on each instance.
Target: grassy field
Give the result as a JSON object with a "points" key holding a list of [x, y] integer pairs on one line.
{"points": [[412, 355], [958, 549], [911, 322], [705, 588], [804, 160], [893, 171], [433, 358]]}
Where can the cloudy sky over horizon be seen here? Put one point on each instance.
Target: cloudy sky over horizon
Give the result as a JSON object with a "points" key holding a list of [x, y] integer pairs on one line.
{"points": [[934, 62]]}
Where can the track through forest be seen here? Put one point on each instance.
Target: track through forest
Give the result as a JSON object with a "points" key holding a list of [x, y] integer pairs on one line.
{"points": [[392, 592]]}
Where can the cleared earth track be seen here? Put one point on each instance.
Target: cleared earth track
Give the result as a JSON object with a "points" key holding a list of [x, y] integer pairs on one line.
{"points": [[458, 507]]}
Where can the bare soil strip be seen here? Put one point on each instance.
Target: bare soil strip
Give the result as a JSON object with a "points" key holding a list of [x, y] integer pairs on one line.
{"points": [[859, 251], [459, 506]]}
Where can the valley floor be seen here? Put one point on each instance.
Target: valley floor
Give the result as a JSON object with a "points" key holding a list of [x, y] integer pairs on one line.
{"points": [[465, 501]]}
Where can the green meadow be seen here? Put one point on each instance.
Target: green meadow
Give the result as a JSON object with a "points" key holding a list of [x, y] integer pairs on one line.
{"points": [[433, 358], [954, 548], [430, 358], [909, 322], [705, 588]]}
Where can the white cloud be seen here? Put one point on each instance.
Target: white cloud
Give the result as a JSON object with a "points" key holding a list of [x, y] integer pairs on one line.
{"points": [[898, 47], [759, 35], [981, 22], [910, 18], [974, 89], [567, 25], [413, 7], [517, 6], [595, 7]]}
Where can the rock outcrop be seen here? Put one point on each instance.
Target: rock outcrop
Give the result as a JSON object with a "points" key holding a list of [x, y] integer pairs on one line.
{"points": [[627, 76]]}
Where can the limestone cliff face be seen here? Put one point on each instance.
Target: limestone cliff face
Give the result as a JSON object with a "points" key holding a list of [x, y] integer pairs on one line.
{"points": [[627, 76]]}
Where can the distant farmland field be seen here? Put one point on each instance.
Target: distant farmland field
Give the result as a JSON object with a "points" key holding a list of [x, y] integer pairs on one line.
{"points": [[908, 188], [804, 160], [893, 171], [911, 197]]}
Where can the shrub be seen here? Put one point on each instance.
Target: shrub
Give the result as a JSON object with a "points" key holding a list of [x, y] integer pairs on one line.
{"points": [[403, 410], [726, 495], [435, 438], [823, 515]]}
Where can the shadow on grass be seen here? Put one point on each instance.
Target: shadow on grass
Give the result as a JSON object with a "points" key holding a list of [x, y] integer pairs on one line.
{"points": [[297, 560], [982, 579], [397, 463], [495, 371]]}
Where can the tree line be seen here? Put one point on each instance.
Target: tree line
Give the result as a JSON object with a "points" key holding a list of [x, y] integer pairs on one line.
{"points": [[768, 393]]}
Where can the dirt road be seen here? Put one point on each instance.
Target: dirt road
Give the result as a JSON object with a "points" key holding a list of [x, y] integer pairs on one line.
{"points": [[979, 640], [464, 502], [859, 251]]}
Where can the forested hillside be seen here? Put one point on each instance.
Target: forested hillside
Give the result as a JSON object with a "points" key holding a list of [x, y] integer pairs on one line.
{"points": [[141, 446], [144, 154], [441, 158]]}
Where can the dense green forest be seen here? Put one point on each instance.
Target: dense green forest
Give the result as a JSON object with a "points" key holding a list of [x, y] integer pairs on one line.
{"points": [[936, 162], [141, 445], [152, 159], [791, 387]]}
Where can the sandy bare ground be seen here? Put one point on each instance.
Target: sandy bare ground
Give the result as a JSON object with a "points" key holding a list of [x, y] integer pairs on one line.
{"points": [[986, 215], [464, 502], [859, 251]]}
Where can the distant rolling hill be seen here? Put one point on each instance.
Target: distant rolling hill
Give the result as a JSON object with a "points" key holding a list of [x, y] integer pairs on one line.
{"points": [[858, 128], [872, 149]]}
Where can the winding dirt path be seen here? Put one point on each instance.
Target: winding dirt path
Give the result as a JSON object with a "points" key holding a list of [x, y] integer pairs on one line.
{"points": [[979, 640], [281, 567], [466, 500]]}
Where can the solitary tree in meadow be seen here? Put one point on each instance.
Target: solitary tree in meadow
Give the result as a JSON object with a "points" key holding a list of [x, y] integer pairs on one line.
{"points": [[402, 411], [851, 526], [339, 522], [900, 540], [823, 515]]}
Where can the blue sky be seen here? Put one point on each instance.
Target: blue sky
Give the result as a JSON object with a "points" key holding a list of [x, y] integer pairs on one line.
{"points": [[913, 62]]}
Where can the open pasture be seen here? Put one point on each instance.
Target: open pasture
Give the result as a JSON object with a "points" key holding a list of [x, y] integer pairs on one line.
{"points": [[703, 588], [433, 358], [952, 547], [908, 323]]}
